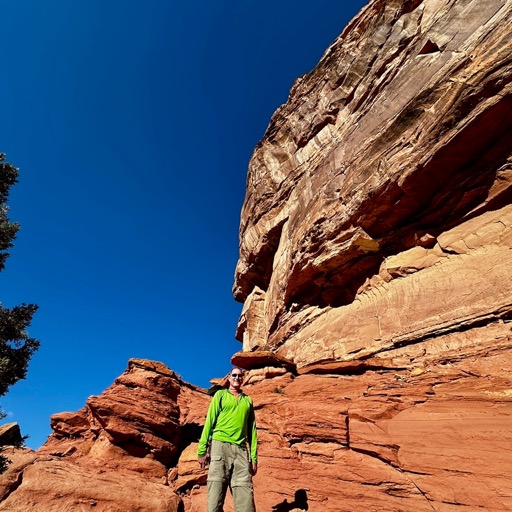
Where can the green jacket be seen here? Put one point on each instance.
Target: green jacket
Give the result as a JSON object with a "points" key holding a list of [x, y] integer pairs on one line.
{"points": [[230, 420]]}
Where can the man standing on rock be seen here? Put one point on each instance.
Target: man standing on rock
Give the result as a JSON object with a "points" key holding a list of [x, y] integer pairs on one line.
{"points": [[231, 425]]}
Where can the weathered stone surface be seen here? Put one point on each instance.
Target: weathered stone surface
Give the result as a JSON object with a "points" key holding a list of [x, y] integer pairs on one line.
{"points": [[261, 359], [376, 242], [438, 439], [375, 250], [378, 208], [188, 473], [435, 436], [12, 478], [116, 452], [251, 329], [10, 434], [139, 414], [261, 374], [48, 484]]}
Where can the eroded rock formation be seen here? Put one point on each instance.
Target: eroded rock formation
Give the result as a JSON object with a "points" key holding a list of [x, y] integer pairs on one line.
{"points": [[115, 453], [434, 437], [377, 214], [375, 274]]}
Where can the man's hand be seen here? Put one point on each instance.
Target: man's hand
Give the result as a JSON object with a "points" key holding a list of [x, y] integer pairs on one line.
{"points": [[203, 461], [254, 468]]}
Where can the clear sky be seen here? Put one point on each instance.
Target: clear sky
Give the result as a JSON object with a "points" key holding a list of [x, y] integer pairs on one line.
{"points": [[132, 123]]}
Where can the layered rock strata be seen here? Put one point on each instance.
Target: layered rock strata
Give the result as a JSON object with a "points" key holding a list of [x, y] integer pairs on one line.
{"points": [[377, 216], [434, 437], [115, 453]]}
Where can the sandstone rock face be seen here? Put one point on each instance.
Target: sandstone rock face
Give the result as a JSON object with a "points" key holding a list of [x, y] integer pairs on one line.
{"points": [[10, 434], [377, 214], [376, 257], [434, 437], [375, 273], [113, 455], [48, 484]]}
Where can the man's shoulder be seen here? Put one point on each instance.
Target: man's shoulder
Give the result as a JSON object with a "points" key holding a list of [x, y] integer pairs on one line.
{"points": [[220, 394], [246, 397]]}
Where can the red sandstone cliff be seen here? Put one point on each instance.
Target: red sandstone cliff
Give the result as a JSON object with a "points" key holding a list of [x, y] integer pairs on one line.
{"points": [[375, 257], [377, 214], [436, 438]]}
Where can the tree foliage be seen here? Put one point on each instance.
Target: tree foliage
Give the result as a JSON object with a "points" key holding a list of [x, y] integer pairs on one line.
{"points": [[16, 347], [8, 230]]}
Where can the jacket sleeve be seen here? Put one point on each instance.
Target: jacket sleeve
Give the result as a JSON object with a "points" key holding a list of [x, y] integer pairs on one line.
{"points": [[252, 435], [209, 424]]}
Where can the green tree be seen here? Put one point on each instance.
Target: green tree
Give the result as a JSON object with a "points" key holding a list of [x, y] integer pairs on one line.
{"points": [[16, 347]]}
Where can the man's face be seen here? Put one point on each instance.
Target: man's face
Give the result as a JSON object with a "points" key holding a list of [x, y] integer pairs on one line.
{"points": [[236, 378]]}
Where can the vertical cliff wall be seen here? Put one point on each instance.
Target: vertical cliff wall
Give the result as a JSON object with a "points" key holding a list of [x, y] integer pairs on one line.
{"points": [[377, 216]]}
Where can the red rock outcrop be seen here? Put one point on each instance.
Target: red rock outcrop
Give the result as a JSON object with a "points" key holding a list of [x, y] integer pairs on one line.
{"points": [[375, 257], [10, 434], [115, 453], [377, 214], [435, 437]]}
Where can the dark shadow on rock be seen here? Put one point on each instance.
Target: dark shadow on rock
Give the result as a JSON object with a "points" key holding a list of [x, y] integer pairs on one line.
{"points": [[300, 501]]}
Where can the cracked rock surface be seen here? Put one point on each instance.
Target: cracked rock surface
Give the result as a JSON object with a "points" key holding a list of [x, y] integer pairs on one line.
{"points": [[378, 206], [433, 437]]}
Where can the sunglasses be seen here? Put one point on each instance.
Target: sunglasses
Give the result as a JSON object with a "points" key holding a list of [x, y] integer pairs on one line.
{"points": [[237, 376]]}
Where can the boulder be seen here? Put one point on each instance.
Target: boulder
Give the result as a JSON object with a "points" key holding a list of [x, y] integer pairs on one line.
{"points": [[10, 435]]}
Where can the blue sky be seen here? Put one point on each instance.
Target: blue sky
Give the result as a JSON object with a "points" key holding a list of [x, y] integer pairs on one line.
{"points": [[132, 124]]}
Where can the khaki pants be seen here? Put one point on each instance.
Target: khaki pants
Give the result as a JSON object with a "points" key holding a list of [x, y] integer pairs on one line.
{"points": [[229, 466]]}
